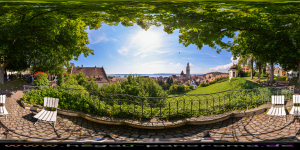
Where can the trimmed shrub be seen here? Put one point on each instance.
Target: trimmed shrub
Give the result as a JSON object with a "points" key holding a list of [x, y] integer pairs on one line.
{"points": [[41, 79]]}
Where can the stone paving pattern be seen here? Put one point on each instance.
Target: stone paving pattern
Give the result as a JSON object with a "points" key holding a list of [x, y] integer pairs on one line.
{"points": [[20, 124]]}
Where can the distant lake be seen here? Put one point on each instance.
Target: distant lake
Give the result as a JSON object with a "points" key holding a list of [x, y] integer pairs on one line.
{"points": [[150, 75]]}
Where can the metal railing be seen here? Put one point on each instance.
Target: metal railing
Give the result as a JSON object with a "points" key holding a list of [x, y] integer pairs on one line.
{"points": [[186, 105]]}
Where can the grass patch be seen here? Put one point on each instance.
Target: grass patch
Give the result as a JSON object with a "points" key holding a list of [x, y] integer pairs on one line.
{"points": [[16, 84], [234, 84]]}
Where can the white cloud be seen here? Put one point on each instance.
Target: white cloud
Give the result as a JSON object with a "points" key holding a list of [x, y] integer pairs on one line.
{"points": [[178, 64], [94, 39], [224, 68], [123, 51]]}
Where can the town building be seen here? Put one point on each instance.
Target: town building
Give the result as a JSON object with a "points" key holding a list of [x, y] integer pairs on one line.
{"points": [[268, 69], [233, 72], [92, 72], [186, 76], [279, 72], [245, 68]]}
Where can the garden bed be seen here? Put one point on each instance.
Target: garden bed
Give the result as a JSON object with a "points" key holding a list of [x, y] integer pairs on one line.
{"points": [[159, 124]]}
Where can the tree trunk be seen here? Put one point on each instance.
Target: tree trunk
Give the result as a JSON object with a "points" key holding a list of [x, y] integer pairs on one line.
{"points": [[272, 72], [1, 74], [298, 72], [251, 73], [259, 71]]}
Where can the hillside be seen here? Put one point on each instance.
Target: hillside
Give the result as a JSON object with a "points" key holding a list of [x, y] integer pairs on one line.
{"points": [[236, 84]]}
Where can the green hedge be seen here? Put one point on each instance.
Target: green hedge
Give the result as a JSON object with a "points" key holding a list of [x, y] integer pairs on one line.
{"points": [[130, 107]]}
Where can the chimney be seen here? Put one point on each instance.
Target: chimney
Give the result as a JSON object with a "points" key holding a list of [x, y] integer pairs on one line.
{"points": [[82, 66], [95, 66]]}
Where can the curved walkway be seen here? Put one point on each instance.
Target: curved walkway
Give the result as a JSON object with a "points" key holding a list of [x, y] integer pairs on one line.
{"points": [[20, 126]]}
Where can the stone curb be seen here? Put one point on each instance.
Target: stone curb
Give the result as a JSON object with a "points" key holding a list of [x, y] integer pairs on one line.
{"points": [[162, 124]]}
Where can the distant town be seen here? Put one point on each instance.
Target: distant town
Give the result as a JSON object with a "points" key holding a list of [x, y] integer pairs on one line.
{"points": [[195, 80]]}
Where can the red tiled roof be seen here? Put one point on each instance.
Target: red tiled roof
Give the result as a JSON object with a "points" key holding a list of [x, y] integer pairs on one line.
{"points": [[91, 72]]}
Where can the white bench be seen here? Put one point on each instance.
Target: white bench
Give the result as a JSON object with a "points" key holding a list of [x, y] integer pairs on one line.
{"points": [[277, 108], [3, 110], [46, 114], [295, 111]]}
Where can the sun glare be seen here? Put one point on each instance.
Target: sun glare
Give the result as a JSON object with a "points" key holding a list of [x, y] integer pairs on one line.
{"points": [[147, 40]]}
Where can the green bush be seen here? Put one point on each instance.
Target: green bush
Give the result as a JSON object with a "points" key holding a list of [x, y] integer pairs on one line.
{"points": [[41, 82], [178, 107], [179, 89], [41, 79], [60, 79], [136, 86]]}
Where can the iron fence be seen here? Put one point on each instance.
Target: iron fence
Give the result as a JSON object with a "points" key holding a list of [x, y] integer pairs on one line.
{"points": [[129, 106]]}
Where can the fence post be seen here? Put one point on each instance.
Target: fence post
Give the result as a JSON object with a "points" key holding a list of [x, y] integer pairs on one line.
{"points": [[213, 104], [151, 109], [229, 102], [206, 105], [251, 97], [169, 110], [191, 106], [113, 107], [160, 110], [99, 103], [134, 107], [183, 105], [199, 106], [177, 106], [142, 109], [219, 103]]}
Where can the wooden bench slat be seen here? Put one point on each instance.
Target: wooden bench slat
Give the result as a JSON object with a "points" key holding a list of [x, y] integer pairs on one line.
{"points": [[4, 110], [270, 111], [45, 101], [49, 115], [52, 116], [41, 113], [45, 116], [1, 111]]}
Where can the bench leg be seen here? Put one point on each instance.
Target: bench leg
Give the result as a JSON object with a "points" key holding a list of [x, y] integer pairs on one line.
{"points": [[285, 118], [54, 124], [37, 121]]}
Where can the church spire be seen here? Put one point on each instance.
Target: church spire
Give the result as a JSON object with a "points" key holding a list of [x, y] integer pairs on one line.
{"points": [[188, 71]]}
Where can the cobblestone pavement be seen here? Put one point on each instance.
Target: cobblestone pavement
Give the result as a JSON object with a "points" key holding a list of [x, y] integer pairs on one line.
{"points": [[20, 126]]}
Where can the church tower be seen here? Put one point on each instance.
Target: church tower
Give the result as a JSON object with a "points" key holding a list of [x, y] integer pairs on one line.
{"points": [[188, 71]]}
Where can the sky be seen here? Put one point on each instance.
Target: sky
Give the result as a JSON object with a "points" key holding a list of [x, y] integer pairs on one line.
{"points": [[132, 50]]}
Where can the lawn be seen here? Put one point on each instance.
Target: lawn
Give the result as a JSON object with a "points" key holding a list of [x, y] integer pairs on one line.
{"points": [[16, 84], [235, 84]]}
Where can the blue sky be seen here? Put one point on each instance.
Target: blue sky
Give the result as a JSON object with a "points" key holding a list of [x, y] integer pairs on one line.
{"points": [[124, 50]]}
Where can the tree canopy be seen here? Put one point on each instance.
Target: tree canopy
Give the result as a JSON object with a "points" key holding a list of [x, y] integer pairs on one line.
{"points": [[51, 33]]}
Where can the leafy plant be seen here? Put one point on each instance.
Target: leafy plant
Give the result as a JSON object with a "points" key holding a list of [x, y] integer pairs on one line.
{"points": [[41, 78]]}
